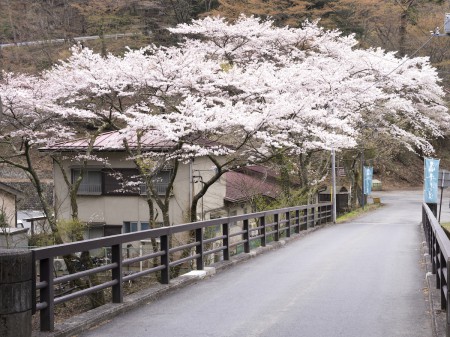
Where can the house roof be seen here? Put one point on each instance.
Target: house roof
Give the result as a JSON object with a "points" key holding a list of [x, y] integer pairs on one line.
{"points": [[240, 186], [10, 189], [113, 141], [152, 140]]}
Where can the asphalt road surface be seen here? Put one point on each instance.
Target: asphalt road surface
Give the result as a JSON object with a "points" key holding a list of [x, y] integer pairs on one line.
{"points": [[359, 279]]}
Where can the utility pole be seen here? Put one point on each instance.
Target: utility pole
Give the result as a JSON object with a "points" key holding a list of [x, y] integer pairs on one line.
{"points": [[333, 175], [362, 179]]}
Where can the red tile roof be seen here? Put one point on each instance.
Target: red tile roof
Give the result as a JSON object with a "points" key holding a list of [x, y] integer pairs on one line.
{"points": [[241, 186]]}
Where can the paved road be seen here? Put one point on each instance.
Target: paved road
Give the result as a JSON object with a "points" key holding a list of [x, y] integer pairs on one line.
{"points": [[362, 278]]}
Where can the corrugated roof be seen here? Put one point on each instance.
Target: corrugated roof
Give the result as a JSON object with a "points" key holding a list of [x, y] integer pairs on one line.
{"points": [[113, 141], [152, 140]]}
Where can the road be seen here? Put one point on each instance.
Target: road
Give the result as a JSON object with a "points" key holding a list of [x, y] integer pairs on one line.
{"points": [[361, 278]]}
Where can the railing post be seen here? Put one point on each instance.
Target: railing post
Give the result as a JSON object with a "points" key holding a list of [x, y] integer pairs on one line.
{"points": [[47, 295], [330, 216], [226, 240], [246, 236], [433, 208], [297, 221], [442, 286], [288, 222], [305, 219], [165, 260], [16, 280], [438, 267], [276, 219], [116, 257], [262, 221], [199, 247], [447, 328], [311, 216], [433, 254]]}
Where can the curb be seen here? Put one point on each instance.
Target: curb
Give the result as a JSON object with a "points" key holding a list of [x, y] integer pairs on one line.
{"points": [[101, 315]]}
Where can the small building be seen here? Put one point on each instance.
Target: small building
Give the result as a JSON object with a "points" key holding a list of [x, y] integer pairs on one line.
{"points": [[106, 207], [342, 197], [376, 185], [34, 221], [245, 185], [8, 203]]}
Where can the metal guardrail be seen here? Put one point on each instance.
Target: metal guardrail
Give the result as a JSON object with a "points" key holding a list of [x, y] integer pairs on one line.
{"points": [[76, 39], [439, 250], [262, 226]]}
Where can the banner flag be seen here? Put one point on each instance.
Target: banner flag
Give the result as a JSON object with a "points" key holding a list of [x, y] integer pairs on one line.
{"points": [[431, 175], [368, 175]]}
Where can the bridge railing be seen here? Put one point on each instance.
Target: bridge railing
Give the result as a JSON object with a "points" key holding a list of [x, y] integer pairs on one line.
{"points": [[439, 250], [218, 236]]}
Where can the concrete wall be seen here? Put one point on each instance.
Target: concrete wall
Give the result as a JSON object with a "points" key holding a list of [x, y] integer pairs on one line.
{"points": [[13, 238], [8, 206], [213, 201]]}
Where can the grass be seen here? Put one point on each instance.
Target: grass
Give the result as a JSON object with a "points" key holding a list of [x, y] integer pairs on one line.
{"points": [[446, 227], [357, 212]]}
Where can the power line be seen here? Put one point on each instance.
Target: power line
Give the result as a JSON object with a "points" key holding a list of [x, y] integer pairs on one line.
{"points": [[406, 60]]}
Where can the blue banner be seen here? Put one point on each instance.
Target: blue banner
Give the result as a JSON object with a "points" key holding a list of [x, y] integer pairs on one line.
{"points": [[368, 175], [431, 175]]}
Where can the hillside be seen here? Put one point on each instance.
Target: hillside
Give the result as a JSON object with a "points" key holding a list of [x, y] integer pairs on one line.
{"points": [[401, 25]]}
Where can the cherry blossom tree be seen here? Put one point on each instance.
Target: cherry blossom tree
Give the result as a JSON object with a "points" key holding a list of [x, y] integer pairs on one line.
{"points": [[29, 120], [253, 91], [324, 91]]}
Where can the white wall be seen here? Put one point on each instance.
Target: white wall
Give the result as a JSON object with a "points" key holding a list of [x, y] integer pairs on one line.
{"points": [[8, 206], [117, 209]]}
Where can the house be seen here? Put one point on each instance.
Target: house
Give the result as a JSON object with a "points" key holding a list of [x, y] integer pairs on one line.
{"points": [[248, 184], [106, 206], [33, 220], [8, 204]]}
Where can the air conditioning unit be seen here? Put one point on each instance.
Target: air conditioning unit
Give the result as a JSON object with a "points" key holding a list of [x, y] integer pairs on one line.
{"points": [[59, 265]]}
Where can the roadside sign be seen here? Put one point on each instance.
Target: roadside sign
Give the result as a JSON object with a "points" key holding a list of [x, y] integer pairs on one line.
{"points": [[431, 174], [368, 175]]}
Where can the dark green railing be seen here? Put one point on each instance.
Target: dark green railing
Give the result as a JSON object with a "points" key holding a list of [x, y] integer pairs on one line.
{"points": [[228, 234]]}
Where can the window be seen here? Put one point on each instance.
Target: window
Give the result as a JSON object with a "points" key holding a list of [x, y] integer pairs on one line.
{"points": [[91, 183], [129, 227], [120, 182], [134, 226], [160, 182]]}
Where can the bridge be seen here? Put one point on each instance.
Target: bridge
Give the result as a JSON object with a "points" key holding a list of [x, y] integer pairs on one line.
{"points": [[365, 277]]}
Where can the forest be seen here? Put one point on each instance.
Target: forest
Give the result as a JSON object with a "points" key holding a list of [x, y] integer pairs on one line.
{"points": [[394, 25]]}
